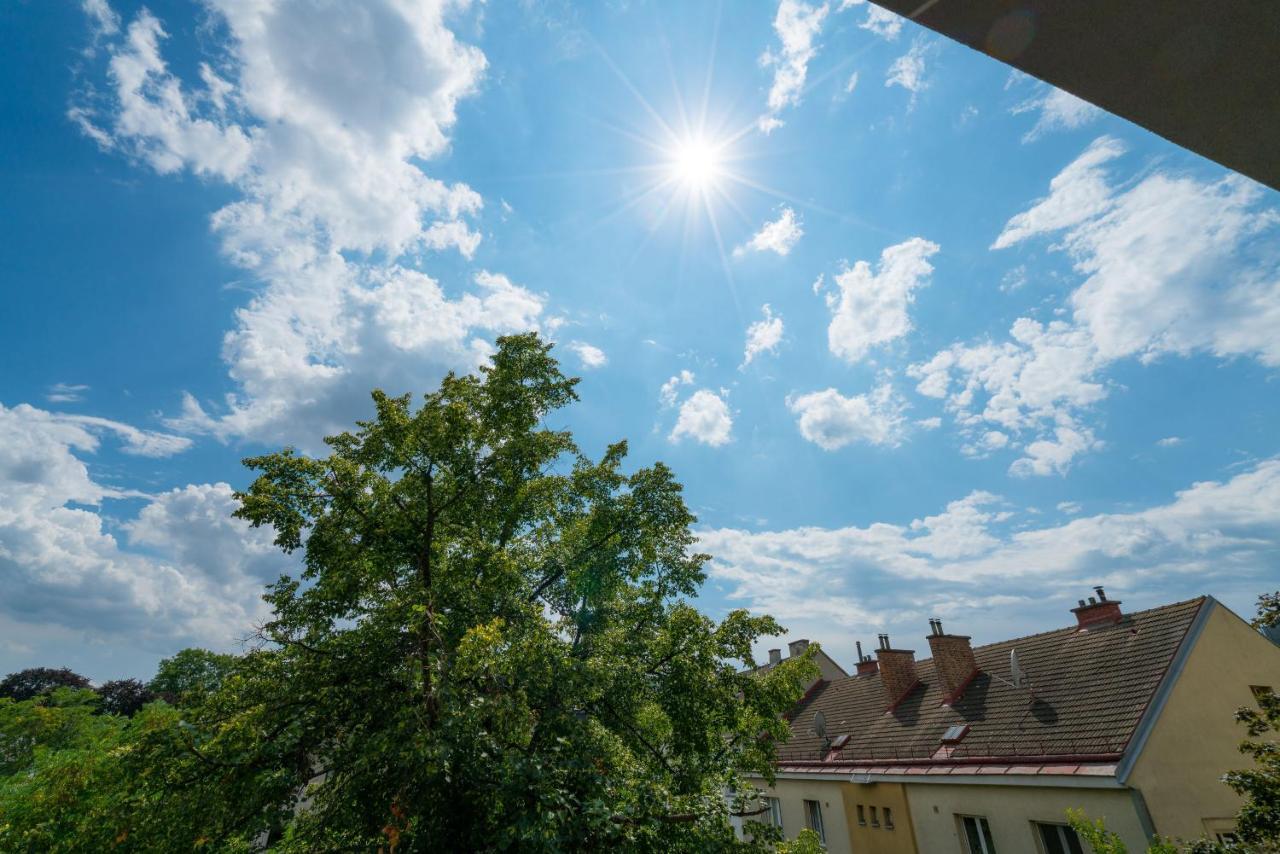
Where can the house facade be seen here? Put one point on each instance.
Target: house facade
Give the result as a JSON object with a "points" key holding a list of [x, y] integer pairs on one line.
{"points": [[976, 750]]}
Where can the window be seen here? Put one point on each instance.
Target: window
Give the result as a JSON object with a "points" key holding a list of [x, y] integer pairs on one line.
{"points": [[875, 818], [888, 818], [774, 815], [862, 815], [813, 818], [1059, 839], [977, 835]]}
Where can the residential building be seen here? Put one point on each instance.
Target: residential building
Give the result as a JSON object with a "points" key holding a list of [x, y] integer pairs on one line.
{"points": [[977, 750]]}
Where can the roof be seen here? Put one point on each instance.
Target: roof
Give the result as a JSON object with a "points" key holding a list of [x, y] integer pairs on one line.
{"points": [[1201, 75], [828, 665], [1089, 692]]}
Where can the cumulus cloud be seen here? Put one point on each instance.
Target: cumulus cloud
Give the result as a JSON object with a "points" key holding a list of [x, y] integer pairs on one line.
{"points": [[763, 336], [882, 22], [836, 585], [334, 211], [831, 421], [1056, 110], [798, 25], [908, 70], [1170, 265], [1169, 441], [190, 573], [670, 390], [589, 355], [869, 306], [704, 418], [778, 236]]}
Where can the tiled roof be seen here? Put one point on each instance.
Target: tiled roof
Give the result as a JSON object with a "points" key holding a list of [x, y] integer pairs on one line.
{"points": [[1090, 691]]}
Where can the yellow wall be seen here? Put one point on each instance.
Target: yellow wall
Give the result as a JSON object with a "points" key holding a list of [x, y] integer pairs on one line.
{"points": [[1195, 739], [1010, 812], [867, 839], [793, 794]]}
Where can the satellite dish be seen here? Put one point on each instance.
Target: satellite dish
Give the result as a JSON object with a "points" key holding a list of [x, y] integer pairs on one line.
{"points": [[820, 724], [1017, 675]]}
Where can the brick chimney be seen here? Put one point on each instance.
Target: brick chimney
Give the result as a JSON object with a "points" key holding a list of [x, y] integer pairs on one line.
{"points": [[866, 664], [797, 647], [775, 656], [897, 671], [952, 660], [1098, 612]]}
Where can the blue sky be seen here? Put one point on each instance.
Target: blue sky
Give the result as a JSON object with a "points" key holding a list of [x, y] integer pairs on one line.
{"points": [[922, 337]]}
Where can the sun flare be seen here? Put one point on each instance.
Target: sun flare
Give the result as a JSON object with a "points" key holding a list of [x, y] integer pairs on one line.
{"points": [[696, 163]]}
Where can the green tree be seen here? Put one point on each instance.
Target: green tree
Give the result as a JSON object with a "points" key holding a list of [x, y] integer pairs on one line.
{"points": [[191, 672], [35, 681], [490, 647]]}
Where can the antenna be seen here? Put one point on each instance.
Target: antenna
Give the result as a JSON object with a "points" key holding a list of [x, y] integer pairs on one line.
{"points": [[1017, 675]]}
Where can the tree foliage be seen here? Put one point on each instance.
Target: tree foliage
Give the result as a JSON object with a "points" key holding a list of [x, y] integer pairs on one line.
{"points": [[36, 681], [490, 647], [191, 673], [123, 697]]}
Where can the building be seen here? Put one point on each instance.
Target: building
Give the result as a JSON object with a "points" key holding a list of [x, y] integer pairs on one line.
{"points": [[976, 750]]}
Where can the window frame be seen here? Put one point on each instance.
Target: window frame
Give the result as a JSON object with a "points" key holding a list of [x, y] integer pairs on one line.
{"points": [[982, 829], [813, 819], [1066, 835], [774, 811]]}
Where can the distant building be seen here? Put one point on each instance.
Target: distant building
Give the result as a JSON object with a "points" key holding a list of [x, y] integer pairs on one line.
{"points": [[1129, 717]]}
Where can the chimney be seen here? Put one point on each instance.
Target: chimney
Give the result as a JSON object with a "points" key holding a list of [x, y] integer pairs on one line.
{"points": [[952, 660], [897, 671], [866, 664], [1098, 612], [797, 647], [775, 656]]}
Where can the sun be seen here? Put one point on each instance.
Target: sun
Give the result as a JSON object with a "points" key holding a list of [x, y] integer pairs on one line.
{"points": [[696, 163]]}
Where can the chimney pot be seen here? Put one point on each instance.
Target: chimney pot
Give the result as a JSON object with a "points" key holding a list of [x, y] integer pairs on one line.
{"points": [[775, 656], [953, 662], [797, 647], [1102, 596], [1098, 612]]}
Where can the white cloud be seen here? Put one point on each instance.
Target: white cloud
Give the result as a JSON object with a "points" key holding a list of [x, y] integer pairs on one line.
{"points": [[589, 355], [705, 418], [851, 84], [105, 21], [882, 22], [1058, 110], [1170, 441], [778, 236], [870, 307], [65, 393], [836, 585], [1071, 508], [908, 70], [194, 575], [1079, 192], [763, 336], [671, 388], [797, 25], [929, 423], [831, 421], [334, 210], [1171, 265]]}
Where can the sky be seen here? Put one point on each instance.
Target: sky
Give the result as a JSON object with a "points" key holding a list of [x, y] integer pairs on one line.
{"points": [[922, 336]]}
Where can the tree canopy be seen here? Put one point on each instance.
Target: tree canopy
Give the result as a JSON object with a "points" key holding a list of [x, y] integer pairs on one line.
{"points": [[35, 681], [490, 646]]}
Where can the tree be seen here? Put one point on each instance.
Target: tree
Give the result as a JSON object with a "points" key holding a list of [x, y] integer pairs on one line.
{"points": [[490, 647], [191, 672], [36, 681], [124, 697]]}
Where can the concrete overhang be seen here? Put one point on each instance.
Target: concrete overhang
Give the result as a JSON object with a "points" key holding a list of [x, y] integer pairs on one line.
{"points": [[1203, 75]]}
